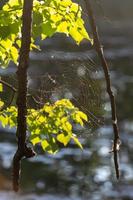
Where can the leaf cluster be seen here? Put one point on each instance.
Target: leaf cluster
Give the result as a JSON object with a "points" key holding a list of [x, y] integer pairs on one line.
{"points": [[49, 17], [50, 125]]}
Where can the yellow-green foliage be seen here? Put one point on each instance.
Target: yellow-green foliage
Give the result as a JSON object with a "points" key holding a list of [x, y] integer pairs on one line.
{"points": [[53, 123], [49, 17], [50, 125]]}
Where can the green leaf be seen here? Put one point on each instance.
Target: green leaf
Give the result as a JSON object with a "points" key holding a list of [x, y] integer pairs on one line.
{"points": [[63, 28], [48, 29], [82, 115], [37, 18], [12, 3], [62, 138], [4, 120], [52, 149], [4, 32], [78, 119], [35, 139], [14, 54], [77, 141]]}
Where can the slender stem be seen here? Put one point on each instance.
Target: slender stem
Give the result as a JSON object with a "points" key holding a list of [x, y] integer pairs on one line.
{"points": [[99, 50], [23, 150], [13, 89], [8, 85]]}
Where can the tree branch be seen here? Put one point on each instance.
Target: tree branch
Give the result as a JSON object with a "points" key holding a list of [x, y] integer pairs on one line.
{"points": [[99, 50], [23, 150]]}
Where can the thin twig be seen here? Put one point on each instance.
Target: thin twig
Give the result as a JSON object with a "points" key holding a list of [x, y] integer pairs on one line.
{"points": [[35, 100], [8, 104], [14, 90], [8, 85], [99, 50]]}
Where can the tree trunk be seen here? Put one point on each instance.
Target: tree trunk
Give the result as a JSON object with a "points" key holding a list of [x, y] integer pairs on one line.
{"points": [[23, 150]]}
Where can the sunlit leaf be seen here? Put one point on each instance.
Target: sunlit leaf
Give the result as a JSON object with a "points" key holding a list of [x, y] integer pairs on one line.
{"points": [[35, 140], [82, 115], [77, 141], [63, 139], [4, 120]]}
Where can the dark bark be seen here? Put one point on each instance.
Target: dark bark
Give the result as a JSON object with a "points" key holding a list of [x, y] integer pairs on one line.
{"points": [[99, 50], [23, 150]]}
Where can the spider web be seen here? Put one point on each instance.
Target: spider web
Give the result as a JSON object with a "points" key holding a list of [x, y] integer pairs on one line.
{"points": [[76, 80]]}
